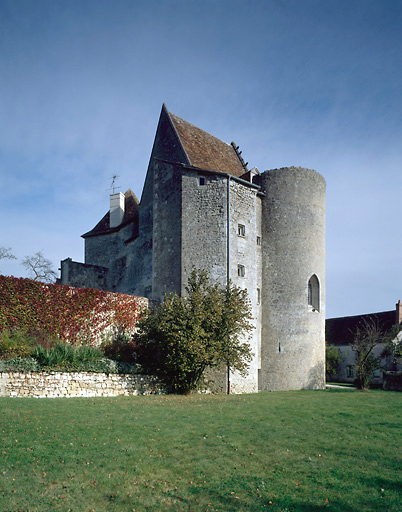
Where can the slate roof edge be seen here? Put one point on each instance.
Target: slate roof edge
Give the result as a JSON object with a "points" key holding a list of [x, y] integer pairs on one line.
{"points": [[108, 231], [362, 315], [208, 171]]}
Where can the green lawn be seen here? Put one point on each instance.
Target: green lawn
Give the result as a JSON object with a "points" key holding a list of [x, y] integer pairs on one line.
{"points": [[333, 450]]}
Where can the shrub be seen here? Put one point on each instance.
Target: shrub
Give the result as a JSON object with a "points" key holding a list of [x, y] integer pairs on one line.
{"points": [[15, 343], [186, 335], [58, 357], [121, 347], [19, 364], [333, 358], [62, 355]]}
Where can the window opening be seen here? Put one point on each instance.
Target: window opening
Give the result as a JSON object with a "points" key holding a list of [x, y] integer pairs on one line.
{"points": [[314, 293], [241, 271], [349, 371], [258, 295], [201, 181], [258, 240], [241, 230]]}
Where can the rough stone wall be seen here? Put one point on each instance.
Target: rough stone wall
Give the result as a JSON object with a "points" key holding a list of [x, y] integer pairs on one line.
{"points": [[293, 244], [55, 385], [166, 257], [110, 251], [204, 233], [259, 283], [243, 251], [205, 246], [138, 277], [81, 275]]}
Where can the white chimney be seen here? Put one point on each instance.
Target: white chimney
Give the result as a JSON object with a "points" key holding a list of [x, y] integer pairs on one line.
{"points": [[116, 209]]}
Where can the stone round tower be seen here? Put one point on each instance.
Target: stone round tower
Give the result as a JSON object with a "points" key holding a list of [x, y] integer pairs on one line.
{"points": [[293, 280]]}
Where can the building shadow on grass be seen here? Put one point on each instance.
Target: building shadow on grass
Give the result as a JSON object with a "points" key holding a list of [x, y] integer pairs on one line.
{"points": [[385, 484]]}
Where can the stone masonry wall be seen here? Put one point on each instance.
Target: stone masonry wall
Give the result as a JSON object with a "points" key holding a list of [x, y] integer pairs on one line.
{"points": [[204, 227], [67, 385], [293, 245], [244, 251], [166, 263], [80, 275]]}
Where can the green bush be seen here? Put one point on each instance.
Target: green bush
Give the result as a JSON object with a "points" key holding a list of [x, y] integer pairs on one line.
{"points": [[20, 352], [19, 364], [99, 366], [333, 358], [133, 369], [120, 347], [208, 327], [15, 344], [64, 356]]}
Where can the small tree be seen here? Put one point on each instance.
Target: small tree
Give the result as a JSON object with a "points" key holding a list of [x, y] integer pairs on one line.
{"points": [[333, 358], [188, 334], [367, 336], [39, 267]]}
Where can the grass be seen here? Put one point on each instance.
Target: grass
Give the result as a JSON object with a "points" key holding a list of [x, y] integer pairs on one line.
{"points": [[332, 450]]}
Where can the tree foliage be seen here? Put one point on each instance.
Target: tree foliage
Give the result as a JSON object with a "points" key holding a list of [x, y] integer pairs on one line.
{"points": [[393, 347], [39, 268], [187, 334], [333, 358], [366, 338]]}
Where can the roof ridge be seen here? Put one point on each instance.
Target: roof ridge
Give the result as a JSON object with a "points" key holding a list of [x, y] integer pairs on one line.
{"points": [[238, 153]]}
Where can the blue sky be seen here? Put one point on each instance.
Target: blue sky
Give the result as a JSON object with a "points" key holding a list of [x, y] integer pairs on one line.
{"points": [[312, 83]]}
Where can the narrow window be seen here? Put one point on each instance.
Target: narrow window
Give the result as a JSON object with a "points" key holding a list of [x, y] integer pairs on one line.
{"points": [[241, 271], [313, 293], [241, 230], [258, 295], [258, 240], [349, 371], [201, 181]]}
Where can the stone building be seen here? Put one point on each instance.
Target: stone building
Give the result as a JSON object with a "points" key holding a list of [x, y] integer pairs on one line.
{"points": [[340, 333], [202, 207]]}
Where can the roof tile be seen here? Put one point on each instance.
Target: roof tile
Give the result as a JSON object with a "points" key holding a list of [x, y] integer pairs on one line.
{"points": [[206, 151]]}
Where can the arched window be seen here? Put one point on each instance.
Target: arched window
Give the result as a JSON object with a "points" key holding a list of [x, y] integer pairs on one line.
{"points": [[314, 293]]}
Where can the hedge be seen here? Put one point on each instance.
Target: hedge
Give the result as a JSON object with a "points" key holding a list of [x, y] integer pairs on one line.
{"points": [[74, 315]]}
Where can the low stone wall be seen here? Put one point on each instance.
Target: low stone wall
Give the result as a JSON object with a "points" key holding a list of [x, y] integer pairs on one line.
{"points": [[55, 384], [392, 381]]}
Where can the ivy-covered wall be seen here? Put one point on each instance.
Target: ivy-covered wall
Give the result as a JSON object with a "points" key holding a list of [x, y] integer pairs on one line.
{"points": [[74, 315]]}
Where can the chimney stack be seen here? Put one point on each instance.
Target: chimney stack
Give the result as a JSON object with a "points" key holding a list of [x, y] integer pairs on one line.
{"points": [[116, 209], [398, 316]]}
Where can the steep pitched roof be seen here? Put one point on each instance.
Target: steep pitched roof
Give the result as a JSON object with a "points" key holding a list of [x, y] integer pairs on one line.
{"points": [[341, 331], [206, 151], [130, 215]]}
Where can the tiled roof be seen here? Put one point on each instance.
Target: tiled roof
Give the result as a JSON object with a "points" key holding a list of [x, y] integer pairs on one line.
{"points": [[130, 215], [206, 151], [341, 331]]}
